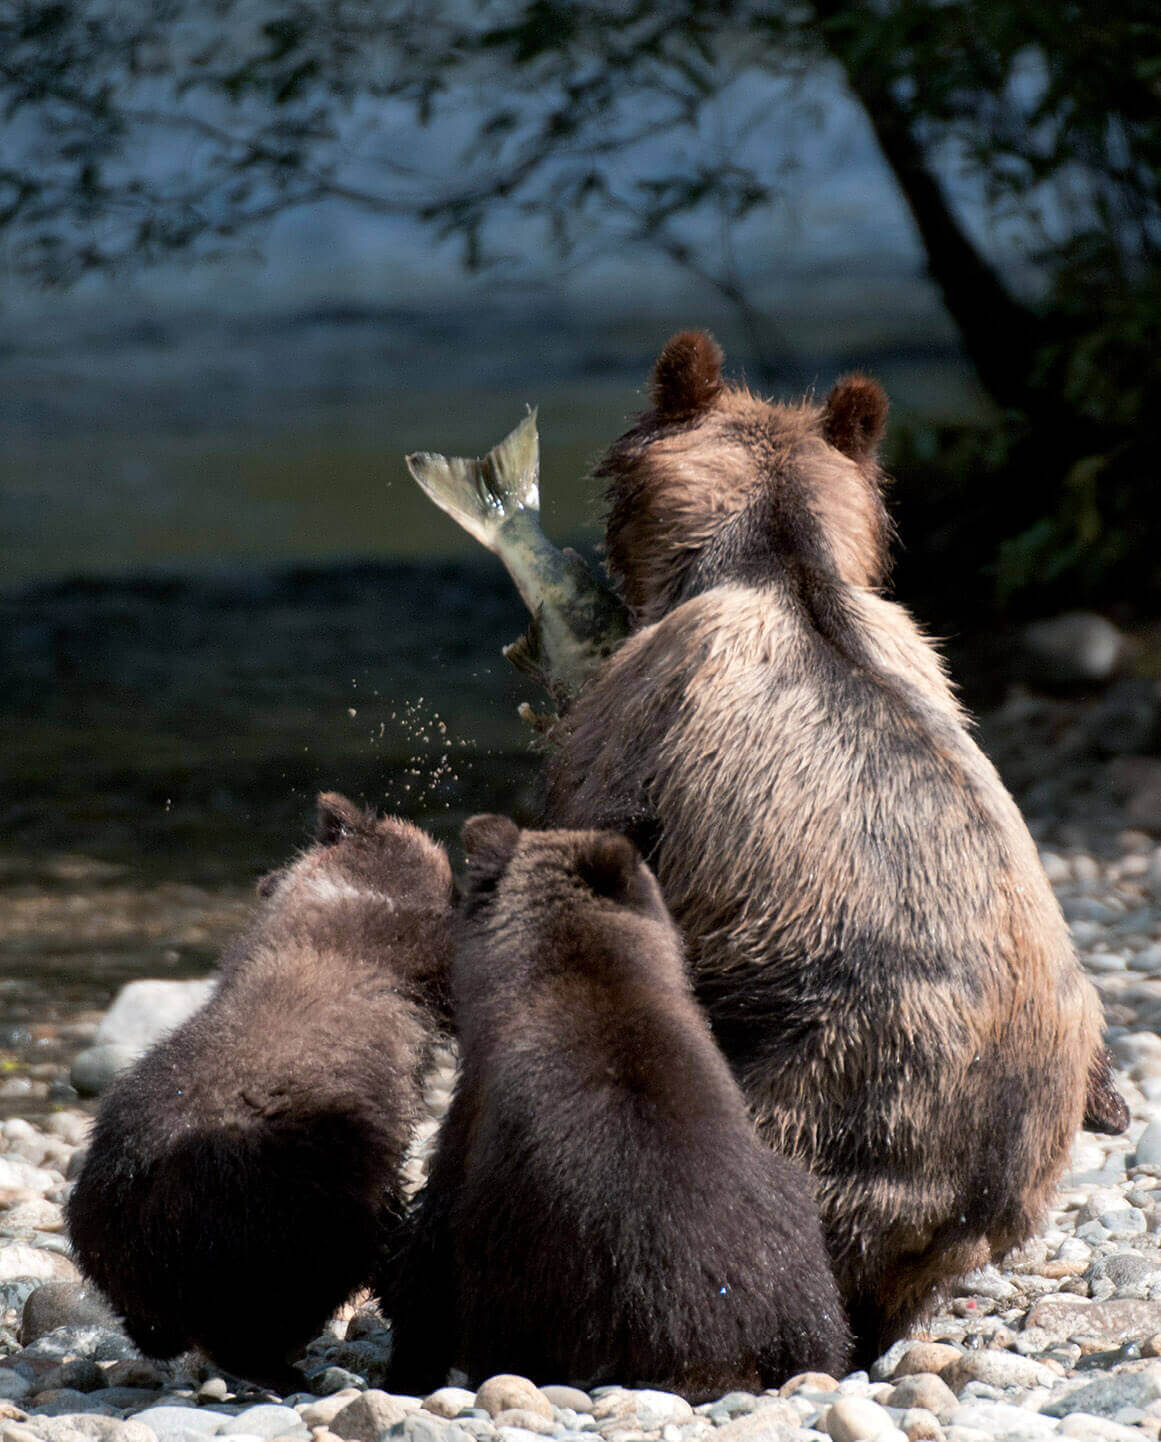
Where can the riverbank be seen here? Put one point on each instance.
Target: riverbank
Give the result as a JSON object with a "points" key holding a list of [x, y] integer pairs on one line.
{"points": [[1063, 1340]]}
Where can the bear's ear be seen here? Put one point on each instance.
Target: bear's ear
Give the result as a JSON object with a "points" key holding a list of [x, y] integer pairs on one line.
{"points": [[610, 865], [687, 377], [489, 843], [855, 416], [338, 818]]}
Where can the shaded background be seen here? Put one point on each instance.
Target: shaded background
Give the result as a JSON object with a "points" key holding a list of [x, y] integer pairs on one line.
{"points": [[251, 253]]}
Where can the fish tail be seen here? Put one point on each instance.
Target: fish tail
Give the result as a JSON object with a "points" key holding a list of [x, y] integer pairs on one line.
{"points": [[482, 494]]}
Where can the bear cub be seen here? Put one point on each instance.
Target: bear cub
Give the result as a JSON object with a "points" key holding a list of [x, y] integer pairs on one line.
{"points": [[253, 1156], [599, 1207]]}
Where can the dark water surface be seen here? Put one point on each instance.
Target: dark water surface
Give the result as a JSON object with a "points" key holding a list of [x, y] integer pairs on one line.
{"points": [[162, 741]]}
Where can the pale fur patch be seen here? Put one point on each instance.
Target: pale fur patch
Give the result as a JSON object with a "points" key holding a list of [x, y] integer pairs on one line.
{"points": [[332, 889]]}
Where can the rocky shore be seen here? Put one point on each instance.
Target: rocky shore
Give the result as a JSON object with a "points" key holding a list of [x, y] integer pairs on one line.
{"points": [[1063, 1339]]}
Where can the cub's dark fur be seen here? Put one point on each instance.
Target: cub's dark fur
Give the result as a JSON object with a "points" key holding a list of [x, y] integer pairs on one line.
{"points": [[866, 917], [244, 1174], [599, 1207]]}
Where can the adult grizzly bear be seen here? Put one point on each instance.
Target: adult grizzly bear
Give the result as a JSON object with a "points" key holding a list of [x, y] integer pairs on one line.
{"points": [[866, 917], [243, 1176], [599, 1207]]}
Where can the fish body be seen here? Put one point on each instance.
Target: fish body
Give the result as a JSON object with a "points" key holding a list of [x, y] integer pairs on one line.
{"points": [[576, 621]]}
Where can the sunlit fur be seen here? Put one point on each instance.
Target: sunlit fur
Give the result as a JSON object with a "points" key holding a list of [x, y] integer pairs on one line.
{"points": [[243, 1177], [600, 1208], [864, 911]]}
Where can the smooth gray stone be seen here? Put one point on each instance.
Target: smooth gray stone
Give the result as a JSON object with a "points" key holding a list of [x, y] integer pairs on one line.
{"points": [[170, 1423], [12, 1385], [1105, 1396], [63, 1304], [79, 1375], [1149, 1146], [94, 1069], [129, 1399], [268, 1419], [66, 1400], [1123, 1269]]}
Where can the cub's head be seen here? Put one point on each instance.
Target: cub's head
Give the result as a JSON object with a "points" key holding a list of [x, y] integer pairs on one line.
{"points": [[714, 484], [580, 900], [359, 854]]}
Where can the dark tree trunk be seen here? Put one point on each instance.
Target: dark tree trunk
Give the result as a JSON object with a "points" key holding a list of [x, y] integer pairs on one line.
{"points": [[999, 334]]}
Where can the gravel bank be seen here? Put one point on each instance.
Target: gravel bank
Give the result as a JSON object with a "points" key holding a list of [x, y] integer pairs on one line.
{"points": [[1063, 1340]]}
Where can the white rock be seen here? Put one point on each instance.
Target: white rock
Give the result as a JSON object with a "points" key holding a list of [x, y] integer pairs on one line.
{"points": [[851, 1419], [450, 1401], [1083, 1425], [17, 1175], [654, 1409], [143, 1011], [1001, 1419], [18, 1259]]}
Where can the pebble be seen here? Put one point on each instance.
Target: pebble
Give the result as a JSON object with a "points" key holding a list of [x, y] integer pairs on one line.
{"points": [[175, 1424], [268, 1421], [1149, 1145], [321, 1412], [62, 1304], [571, 1397], [451, 1401], [96, 1068], [919, 1425], [851, 1419], [144, 1011], [996, 1369], [1107, 1396], [654, 1409], [925, 1357], [922, 1389], [19, 1259], [528, 1421], [505, 1392], [1002, 1419], [368, 1414]]}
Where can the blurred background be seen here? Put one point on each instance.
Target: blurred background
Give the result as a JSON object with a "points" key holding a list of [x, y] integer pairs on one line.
{"points": [[252, 252]]}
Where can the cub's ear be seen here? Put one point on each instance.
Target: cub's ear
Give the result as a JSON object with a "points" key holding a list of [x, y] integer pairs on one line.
{"points": [[338, 818], [610, 865], [687, 377], [489, 843], [856, 416]]}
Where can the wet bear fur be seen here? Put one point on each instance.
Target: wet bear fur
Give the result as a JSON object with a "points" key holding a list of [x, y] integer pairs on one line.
{"points": [[865, 914], [243, 1176], [599, 1208]]}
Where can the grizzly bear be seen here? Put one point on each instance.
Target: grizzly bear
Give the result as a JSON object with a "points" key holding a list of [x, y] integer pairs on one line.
{"points": [[866, 918], [243, 1177], [599, 1207]]}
